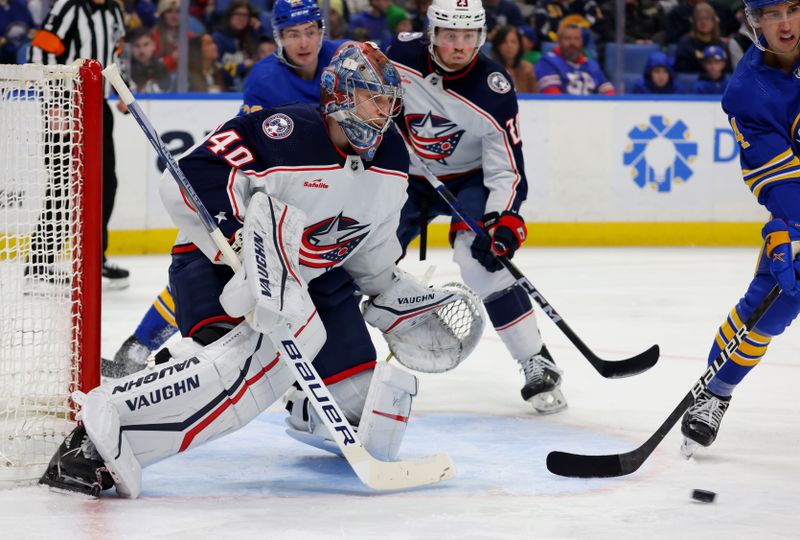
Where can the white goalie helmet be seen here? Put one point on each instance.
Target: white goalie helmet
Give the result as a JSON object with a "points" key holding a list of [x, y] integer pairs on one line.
{"points": [[457, 14]]}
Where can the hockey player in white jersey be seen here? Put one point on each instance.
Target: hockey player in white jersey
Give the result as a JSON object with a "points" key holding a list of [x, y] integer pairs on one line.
{"points": [[461, 116], [318, 199]]}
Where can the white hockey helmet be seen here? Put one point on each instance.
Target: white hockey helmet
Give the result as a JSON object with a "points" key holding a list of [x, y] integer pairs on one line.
{"points": [[459, 14]]}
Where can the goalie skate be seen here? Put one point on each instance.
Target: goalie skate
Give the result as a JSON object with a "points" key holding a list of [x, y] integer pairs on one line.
{"points": [[542, 383], [76, 466]]}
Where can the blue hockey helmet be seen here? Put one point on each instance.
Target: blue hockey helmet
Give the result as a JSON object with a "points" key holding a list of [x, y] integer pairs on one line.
{"points": [[361, 66], [287, 13], [758, 4]]}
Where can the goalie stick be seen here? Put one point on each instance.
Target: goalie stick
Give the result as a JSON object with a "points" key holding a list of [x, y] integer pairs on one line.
{"points": [[583, 466], [379, 475], [609, 369]]}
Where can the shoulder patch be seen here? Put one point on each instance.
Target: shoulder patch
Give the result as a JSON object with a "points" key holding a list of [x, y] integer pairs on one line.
{"points": [[498, 82], [278, 126], [409, 36]]}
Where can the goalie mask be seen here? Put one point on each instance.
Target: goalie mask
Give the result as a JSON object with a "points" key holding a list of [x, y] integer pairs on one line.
{"points": [[360, 89]]}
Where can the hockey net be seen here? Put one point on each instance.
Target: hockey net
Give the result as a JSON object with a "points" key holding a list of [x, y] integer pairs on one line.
{"points": [[50, 256]]}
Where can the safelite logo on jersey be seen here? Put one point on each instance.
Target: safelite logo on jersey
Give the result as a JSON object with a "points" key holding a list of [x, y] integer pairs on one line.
{"points": [[660, 154]]}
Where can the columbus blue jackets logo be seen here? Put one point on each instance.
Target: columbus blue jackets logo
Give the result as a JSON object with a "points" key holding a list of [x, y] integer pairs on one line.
{"points": [[498, 82], [660, 154], [433, 137], [331, 241], [278, 126]]}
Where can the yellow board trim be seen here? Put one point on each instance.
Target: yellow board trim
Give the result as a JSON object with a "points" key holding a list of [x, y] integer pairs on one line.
{"points": [[539, 234]]}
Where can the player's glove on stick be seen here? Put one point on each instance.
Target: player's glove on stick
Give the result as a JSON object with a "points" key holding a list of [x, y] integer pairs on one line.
{"points": [[505, 233], [779, 237]]}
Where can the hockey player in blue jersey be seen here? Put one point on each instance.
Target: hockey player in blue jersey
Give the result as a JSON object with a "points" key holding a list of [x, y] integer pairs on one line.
{"points": [[290, 75], [314, 228], [762, 102], [460, 116]]}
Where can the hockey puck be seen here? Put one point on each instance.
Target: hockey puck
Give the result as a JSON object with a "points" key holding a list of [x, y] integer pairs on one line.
{"points": [[703, 495]]}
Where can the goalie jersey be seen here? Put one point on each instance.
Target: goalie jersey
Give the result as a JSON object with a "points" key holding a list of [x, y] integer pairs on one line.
{"points": [[763, 108], [352, 206], [462, 122]]}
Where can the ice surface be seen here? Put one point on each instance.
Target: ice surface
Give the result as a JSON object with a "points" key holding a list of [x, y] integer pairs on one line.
{"points": [[259, 483]]}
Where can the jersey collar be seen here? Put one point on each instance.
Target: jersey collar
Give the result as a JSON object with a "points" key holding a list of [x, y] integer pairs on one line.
{"points": [[433, 67]]}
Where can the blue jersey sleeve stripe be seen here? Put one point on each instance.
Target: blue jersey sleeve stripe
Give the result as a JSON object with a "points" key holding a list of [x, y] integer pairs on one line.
{"points": [[772, 163], [790, 174], [750, 179]]}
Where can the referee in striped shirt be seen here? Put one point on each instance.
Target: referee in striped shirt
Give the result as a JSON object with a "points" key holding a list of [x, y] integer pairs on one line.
{"points": [[87, 29]]}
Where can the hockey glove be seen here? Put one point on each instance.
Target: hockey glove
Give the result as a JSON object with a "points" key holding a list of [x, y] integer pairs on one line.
{"points": [[504, 234], [779, 237]]}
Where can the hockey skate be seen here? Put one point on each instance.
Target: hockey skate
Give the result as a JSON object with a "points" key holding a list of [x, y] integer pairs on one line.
{"points": [[131, 357], [700, 424], [114, 277], [76, 466], [542, 383]]}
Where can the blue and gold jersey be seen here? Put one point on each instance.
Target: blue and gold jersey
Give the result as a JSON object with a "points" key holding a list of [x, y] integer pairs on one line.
{"points": [[763, 108], [272, 82]]}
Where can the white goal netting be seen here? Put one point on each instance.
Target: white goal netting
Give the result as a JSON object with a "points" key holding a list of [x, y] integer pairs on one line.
{"points": [[41, 249]]}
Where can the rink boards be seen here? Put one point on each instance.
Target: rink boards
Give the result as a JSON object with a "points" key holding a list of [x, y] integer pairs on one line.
{"points": [[601, 171]]}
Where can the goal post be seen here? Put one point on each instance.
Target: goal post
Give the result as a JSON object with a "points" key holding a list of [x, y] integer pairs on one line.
{"points": [[50, 256]]}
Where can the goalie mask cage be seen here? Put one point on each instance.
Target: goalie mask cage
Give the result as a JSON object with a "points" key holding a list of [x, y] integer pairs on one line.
{"points": [[50, 256]]}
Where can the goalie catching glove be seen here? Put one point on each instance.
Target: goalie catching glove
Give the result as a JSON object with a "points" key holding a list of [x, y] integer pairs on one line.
{"points": [[428, 329]]}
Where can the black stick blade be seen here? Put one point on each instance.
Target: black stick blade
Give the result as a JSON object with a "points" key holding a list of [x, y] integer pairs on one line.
{"points": [[580, 466], [630, 366]]}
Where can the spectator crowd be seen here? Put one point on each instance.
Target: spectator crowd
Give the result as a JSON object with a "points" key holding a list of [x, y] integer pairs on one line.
{"points": [[547, 46]]}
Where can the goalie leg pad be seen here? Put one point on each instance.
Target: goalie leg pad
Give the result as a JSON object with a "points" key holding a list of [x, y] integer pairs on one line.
{"points": [[386, 411], [303, 423], [378, 401], [194, 398]]}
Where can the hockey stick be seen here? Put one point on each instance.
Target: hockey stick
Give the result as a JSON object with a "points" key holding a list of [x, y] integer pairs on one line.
{"points": [[582, 466], [380, 475], [607, 368]]}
